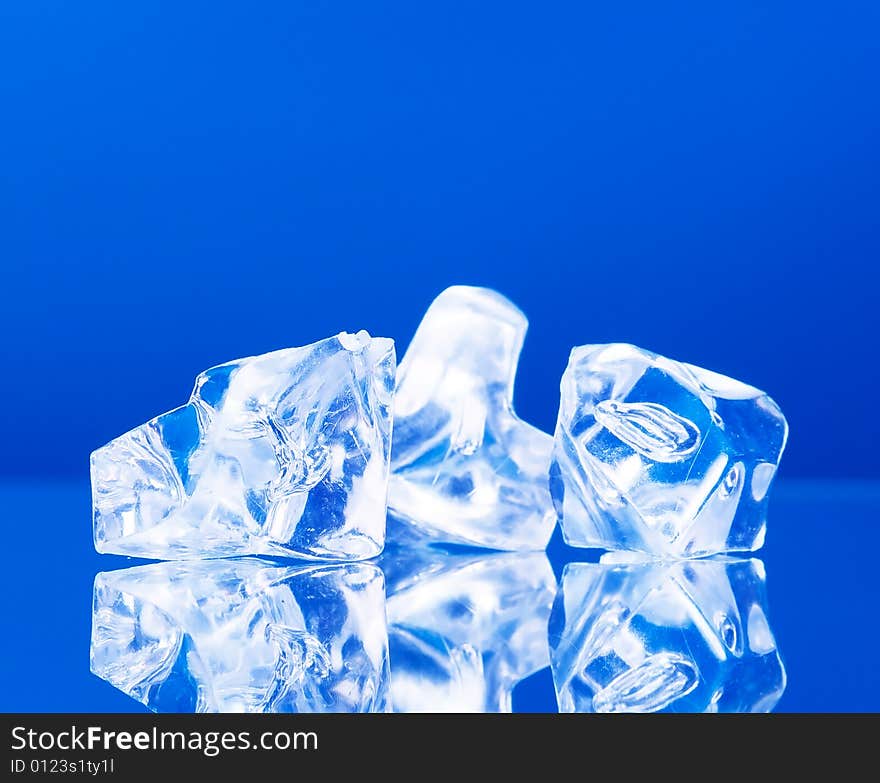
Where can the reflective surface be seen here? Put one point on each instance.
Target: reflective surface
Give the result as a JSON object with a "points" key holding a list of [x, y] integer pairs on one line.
{"points": [[465, 629], [687, 636], [243, 635], [461, 625]]}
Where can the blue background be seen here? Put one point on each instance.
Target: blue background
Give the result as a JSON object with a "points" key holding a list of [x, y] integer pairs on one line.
{"points": [[185, 183]]}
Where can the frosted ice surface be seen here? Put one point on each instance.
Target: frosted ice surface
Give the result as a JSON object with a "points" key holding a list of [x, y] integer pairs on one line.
{"points": [[464, 630], [684, 636], [243, 635], [465, 468], [660, 456], [284, 454]]}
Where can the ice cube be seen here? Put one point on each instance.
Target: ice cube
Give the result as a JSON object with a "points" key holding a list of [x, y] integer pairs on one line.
{"points": [[282, 454], [660, 456], [465, 468]]}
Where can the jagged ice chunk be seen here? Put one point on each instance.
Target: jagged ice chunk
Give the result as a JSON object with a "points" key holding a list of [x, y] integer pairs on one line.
{"points": [[285, 454]]}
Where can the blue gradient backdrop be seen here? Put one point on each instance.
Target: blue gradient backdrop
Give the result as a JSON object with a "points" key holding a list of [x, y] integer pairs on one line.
{"points": [[183, 183]]}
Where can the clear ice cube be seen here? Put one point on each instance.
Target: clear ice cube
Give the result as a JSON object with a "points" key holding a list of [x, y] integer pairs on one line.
{"points": [[464, 630], [683, 636], [465, 468], [283, 454], [655, 455], [243, 635]]}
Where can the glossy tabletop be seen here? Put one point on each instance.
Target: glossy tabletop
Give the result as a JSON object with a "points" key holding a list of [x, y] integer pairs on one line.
{"points": [[818, 559]]}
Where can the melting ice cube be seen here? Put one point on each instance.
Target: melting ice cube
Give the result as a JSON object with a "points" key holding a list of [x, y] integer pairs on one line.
{"points": [[465, 468]]}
